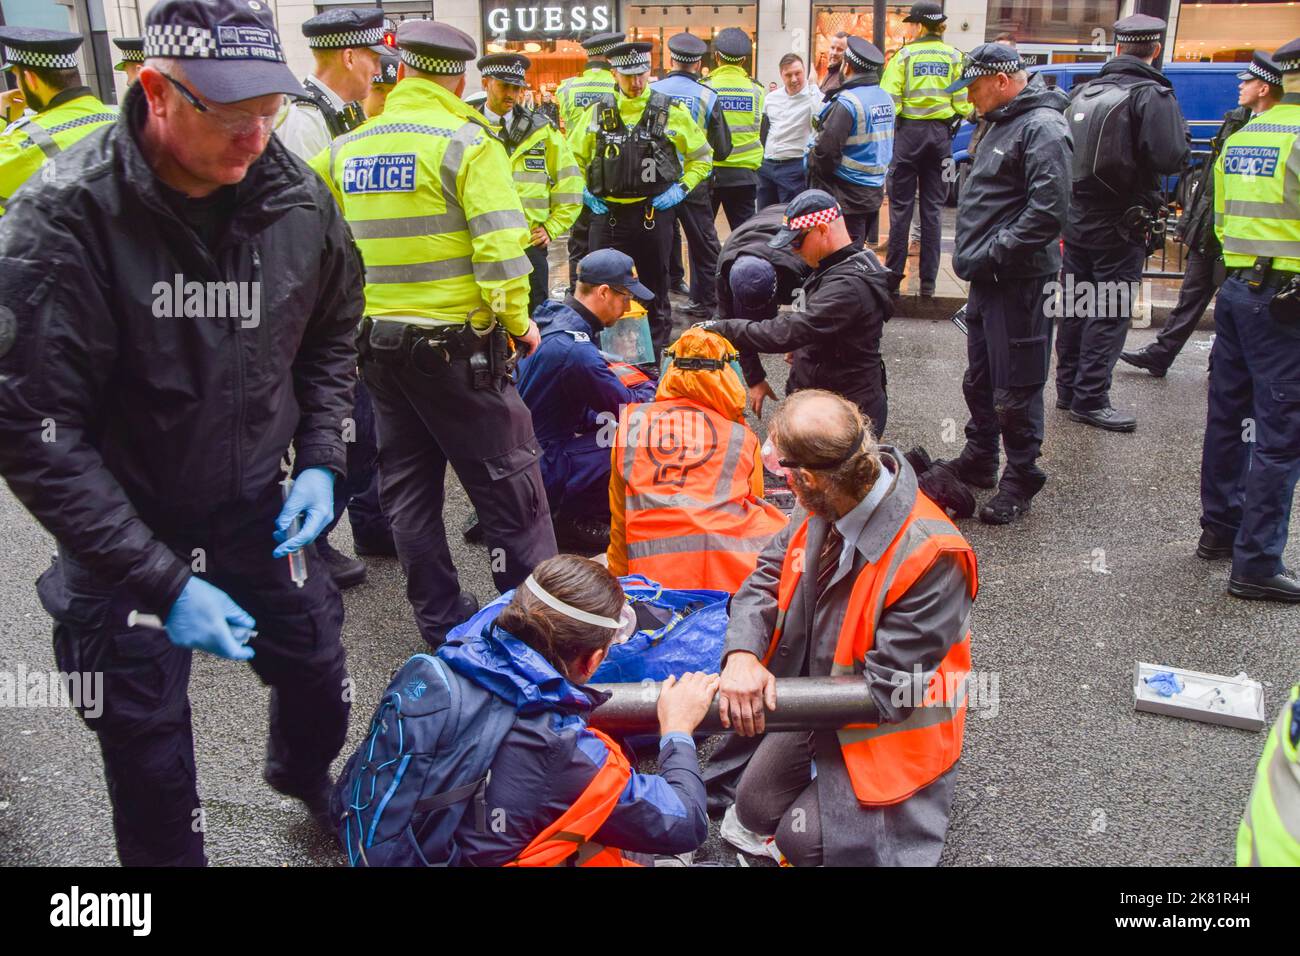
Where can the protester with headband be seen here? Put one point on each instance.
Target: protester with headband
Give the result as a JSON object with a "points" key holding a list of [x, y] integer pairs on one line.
{"points": [[560, 792], [686, 487]]}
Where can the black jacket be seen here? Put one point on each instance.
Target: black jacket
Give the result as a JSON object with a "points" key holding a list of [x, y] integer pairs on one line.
{"points": [[1161, 144], [124, 427], [828, 152], [1197, 225], [1015, 200], [835, 336]]}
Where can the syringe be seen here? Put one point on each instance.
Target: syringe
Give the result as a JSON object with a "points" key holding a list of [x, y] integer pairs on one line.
{"points": [[297, 560]]}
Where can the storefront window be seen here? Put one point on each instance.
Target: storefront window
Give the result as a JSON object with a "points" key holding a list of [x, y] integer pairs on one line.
{"points": [[1230, 32], [660, 22], [855, 20], [548, 33], [1053, 21]]}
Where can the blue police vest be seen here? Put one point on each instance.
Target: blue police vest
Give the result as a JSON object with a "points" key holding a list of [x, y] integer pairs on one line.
{"points": [[696, 97], [870, 146]]}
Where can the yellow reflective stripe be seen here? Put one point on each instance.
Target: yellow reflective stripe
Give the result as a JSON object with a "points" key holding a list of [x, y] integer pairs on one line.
{"points": [[566, 199], [502, 270], [532, 177], [420, 271], [743, 148], [931, 715], [565, 172], [1271, 248], [920, 112], [408, 227], [499, 219]]}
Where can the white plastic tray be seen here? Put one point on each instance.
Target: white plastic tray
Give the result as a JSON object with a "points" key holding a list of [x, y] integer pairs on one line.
{"points": [[1238, 703]]}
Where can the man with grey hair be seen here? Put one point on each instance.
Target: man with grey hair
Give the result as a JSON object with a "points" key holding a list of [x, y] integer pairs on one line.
{"points": [[815, 606], [158, 375], [1009, 220]]}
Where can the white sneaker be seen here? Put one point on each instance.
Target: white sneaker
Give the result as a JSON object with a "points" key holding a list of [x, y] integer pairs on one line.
{"points": [[745, 839]]}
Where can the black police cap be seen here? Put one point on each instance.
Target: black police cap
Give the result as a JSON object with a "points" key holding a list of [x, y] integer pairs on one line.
{"points": [[732, 44], [1262, 67], [387, 74], [986, 60], [47, 49], [1139, 28], [342, 27], [231, 49], [687, 48], [599, 44], [863, 54], [132, 51], [1287, 57], [810, 208], [433, 47], [631, 59], [925, 11], [506, 67]]}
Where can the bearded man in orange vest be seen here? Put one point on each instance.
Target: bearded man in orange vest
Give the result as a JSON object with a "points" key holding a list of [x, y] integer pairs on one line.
{"points": [[872, 579]]}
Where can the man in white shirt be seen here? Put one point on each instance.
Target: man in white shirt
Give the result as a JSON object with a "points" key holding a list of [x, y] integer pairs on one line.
{"points": [[786, 130]]}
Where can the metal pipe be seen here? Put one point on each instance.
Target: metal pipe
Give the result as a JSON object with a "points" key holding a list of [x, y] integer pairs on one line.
{"points": [[802, 703]]}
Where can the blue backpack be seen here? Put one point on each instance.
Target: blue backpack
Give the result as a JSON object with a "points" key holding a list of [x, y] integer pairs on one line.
{"points": [[432, 739]]}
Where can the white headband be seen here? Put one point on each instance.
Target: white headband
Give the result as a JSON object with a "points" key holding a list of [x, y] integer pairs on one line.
{"points": [[568, 610]]}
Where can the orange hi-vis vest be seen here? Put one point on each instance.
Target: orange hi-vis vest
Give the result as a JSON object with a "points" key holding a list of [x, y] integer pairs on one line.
{"points": [[887, 763], [690, 514], [629, 375], [571, 833]]}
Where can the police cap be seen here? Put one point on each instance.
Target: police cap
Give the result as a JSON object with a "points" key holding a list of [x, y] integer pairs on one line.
{"points": [[1287, 57], [810, 208], [863, 54], [599, 44], [47, 49], [342, 27], [925, 11], [506, 67], [732, 45], [132, 51], [387, 74], [231, 49], [1262, 67], [1139, 28], [433, 47], [986, 60], [687, 48], [630, 58], [611, 267]]}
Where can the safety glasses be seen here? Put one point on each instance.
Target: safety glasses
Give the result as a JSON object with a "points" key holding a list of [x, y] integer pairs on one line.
{"points": [[234, 122]]}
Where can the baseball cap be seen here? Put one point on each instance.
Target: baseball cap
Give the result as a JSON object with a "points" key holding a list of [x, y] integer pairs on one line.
{"points": [[611, 267], [810, 208]]}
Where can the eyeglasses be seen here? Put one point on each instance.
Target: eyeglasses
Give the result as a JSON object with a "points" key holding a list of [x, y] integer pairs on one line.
{"points": [[625, 293], [234, 122]]}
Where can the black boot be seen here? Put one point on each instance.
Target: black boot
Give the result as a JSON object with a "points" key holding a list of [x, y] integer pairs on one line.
{"points": [[1004, 508], [973, 473], [1282, 587], [316, 798], [346, 572], [1106, 417], [1144, 358], [1214, 546]]}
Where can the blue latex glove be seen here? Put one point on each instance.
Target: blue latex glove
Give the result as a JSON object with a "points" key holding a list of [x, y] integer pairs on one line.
{"points": [[669, 197], [1165, 683], [312, 493], [204, 618], [594, 203]]}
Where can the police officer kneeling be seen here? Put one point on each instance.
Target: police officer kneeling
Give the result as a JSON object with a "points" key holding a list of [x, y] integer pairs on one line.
{"points": [[143, 422], [1008, 221], [427, 190], [1248, 484]]}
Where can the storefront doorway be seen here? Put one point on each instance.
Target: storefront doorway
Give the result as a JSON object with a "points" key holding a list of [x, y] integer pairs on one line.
{"points": [[659, 22]]}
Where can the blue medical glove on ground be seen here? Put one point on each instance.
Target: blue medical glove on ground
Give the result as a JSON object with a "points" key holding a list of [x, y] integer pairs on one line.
{"points": [[204, 618], [312, 496], [594, 203], [669, 197]]}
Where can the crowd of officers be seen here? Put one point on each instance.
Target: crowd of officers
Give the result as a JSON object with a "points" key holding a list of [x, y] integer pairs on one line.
{"points": [[452, 208]]}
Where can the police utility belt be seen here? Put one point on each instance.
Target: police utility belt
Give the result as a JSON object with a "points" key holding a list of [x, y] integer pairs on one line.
{"points": [[1284, 286], [437, 351]]}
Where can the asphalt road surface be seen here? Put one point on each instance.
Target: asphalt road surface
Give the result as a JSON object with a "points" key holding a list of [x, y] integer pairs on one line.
{"points": [[1057, 768]]}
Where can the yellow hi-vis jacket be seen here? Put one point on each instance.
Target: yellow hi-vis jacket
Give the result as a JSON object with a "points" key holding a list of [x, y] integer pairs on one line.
{"points": [[547, 179], [685, 133], [1256, 196], [741, 101], [577, 93], [427, 190], [1269, 834], [30, 141], [917, 76]]}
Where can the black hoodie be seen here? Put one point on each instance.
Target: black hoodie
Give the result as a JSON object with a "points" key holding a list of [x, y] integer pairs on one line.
{"points": [[1014, 203]]}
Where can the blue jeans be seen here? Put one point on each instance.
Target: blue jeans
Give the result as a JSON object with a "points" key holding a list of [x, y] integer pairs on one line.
{"points": [[780, 180]]}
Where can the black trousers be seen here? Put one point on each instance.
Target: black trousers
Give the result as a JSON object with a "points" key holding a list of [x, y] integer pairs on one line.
{"points": [[143, 718], [921, 147], [539, 278], [578, 240], [740, 202], [1099, 259], [648, 241], [1008, 351], [358, 494], [1193, 299], [695, 217], [425, 423]]}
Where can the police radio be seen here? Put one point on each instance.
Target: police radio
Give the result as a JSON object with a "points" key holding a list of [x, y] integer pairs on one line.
{"points": [[1145, 227]]}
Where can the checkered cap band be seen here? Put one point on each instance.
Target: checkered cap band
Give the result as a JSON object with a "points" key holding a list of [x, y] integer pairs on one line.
{"points": [[731, 59], [933, 17], [685, 57], [53, 61], [989, 69], [603, 48], [858, 62], [1268, 76], [631, 59], [131, 56], [810, 219], [1289, 65], [331, 41], [1142, 36], [431, 64], [505, 71], [175, 40]]}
